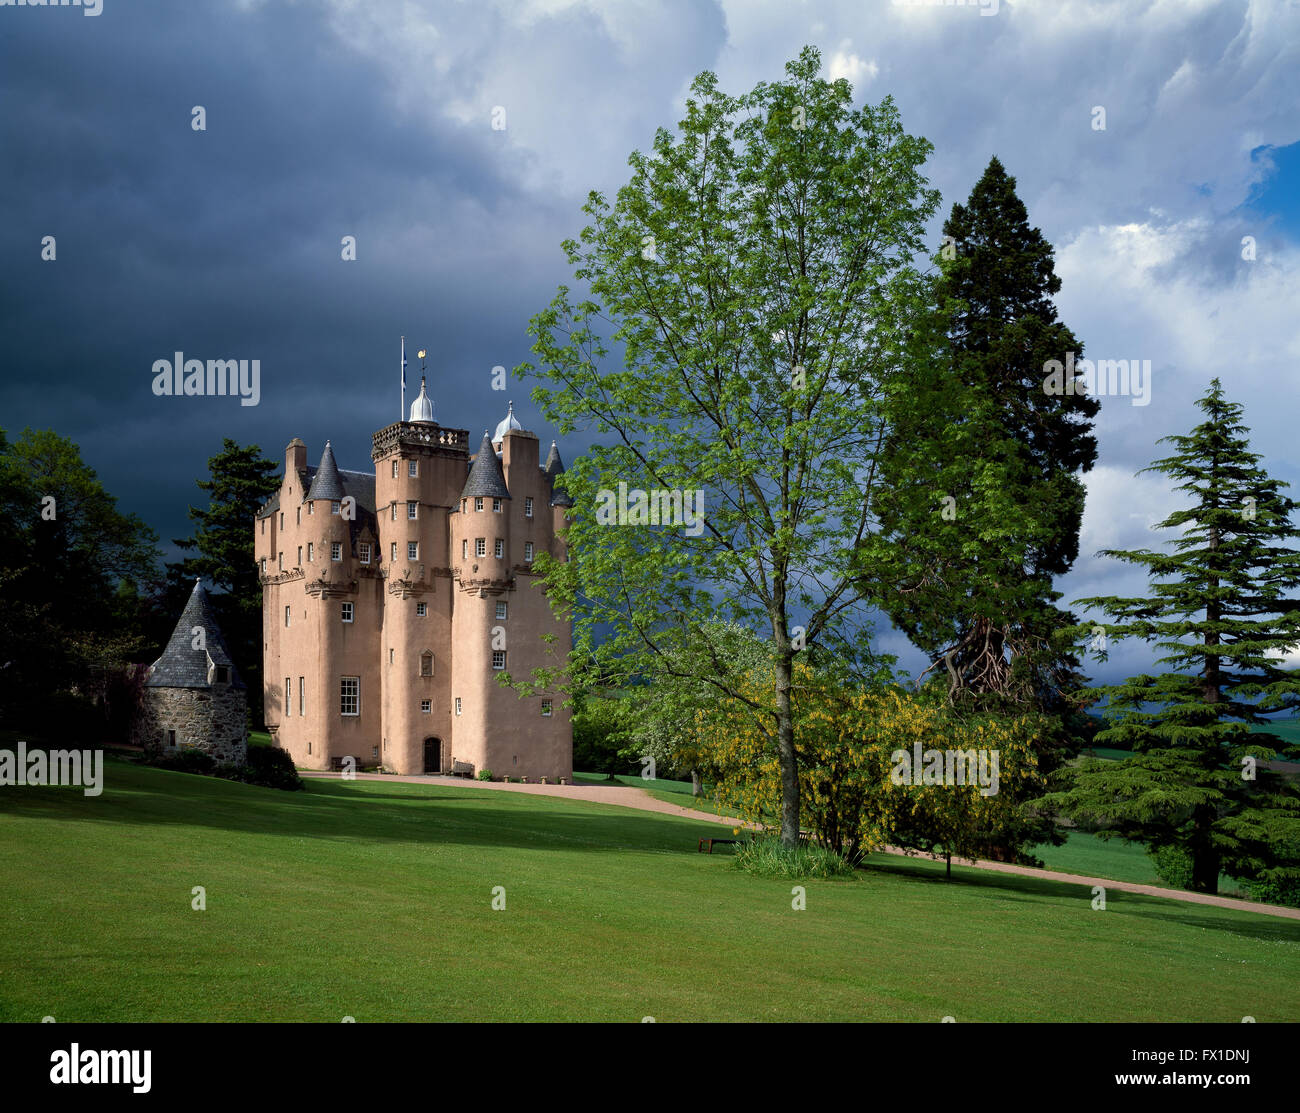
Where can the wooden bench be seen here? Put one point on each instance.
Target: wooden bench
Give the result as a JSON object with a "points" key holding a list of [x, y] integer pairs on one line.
{"points": [[460, 769], [711, 842]]}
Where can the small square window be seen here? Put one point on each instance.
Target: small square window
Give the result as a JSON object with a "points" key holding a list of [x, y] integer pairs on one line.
{"points": [[528, 552], [426, 706], [421, 609], [334, 506], [458, 705], [412, 468], [496, 506], [480, 546], [498, 659], [528, 508], [546, 708], [500, 548], [336, 550], [412, 509], [412, 550], [501, 610], [347, 612], [478, 503]]}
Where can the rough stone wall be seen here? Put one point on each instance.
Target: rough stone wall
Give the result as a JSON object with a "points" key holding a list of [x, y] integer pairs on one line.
{"points": [[213, 720]]}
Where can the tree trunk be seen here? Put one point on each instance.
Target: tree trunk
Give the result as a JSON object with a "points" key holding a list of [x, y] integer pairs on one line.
{"points": [[947, 856], [785, 748], [1205, 862], [696, 784]]}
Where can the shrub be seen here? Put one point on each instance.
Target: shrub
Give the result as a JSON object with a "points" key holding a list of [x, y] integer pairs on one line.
{"points": [[1276, 891], [271, 767], [1173, 865], [766, 857], [186, 761], [485, 774]]}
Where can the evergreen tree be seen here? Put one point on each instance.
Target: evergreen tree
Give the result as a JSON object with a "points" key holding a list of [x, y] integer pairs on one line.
{"points": [[982, 499], [1218, 610], [241, 480]]}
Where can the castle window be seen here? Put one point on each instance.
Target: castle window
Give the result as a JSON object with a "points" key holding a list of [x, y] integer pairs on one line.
{"points": [[412, 550], [302, 697], [286, 616], [464, 550], [299, 556], [392, 549], [262, 523], [528, 508], [363, 552], [500, 548], [392, 512], [350, 695], [528, 552], [421, 609], [480, 546], [426, 706], [501, 610], [546, 709], [462, 505], [478, 503], [309, 747], [391, 654], [297, 516], [171, 739], [282, 519], [348, 609], [311, 508], [395, 466], [426, 663], [413, 468], [281, 560], [496, 506], [334, 506], [263, 566], [311, 552], [288, 696], [223, 674], [458, 705], [498, 659], [412, 510], [336, 550]]}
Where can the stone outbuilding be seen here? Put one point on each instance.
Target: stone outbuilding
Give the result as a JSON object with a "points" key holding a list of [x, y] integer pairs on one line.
{"points": [[193, 698]]}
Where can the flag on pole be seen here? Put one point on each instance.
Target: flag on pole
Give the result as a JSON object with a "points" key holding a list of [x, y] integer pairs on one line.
{"points": [[402, 415]]}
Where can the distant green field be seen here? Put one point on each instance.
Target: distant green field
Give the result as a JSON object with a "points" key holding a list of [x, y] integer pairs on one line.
{"points": [[373, 899]]}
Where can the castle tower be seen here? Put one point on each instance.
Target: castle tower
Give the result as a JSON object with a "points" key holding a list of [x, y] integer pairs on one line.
{"points": [[193, 697]]}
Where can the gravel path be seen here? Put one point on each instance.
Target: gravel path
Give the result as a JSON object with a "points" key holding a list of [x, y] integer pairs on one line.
{"points": [[628, 797]]}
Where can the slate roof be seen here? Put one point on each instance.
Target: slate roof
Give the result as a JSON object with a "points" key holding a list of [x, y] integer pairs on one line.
{"points": [[359, 484], [327, 483], [486, 479], [555, 466], [183, 666]]}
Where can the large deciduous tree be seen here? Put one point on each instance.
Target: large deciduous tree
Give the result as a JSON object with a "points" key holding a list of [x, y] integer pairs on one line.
{"points": [[748, 295], [1221, 610]]}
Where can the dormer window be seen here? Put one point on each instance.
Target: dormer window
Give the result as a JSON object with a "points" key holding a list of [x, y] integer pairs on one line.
{"points": [[334, 506], [222, 674]]}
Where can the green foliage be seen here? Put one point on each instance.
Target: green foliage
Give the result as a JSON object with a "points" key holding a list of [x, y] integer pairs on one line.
{"points": [[601, 733], [484, 775], [767, 857], [240, 479], [1173, 865], [186, 761], [756, 277], [271, 767], [1221, 610], [981, 499]]}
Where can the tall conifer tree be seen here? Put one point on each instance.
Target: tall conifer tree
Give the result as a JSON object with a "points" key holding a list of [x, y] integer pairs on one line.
{"points": [[1219, 610]]}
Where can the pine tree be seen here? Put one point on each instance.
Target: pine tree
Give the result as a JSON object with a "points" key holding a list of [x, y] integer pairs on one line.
{"points": [[241, 479], [1219, 612], [983, 500]]}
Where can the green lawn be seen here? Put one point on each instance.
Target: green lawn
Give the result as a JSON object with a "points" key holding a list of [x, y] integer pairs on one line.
{"points": [[372, 899]]}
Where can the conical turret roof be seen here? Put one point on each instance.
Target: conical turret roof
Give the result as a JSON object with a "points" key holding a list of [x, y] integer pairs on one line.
{"points": [[486, 479], [554, 467], [181, 664], [326, 483]]}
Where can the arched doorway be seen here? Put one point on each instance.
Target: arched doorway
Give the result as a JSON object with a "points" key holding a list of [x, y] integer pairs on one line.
{"points": [[433, 755]]}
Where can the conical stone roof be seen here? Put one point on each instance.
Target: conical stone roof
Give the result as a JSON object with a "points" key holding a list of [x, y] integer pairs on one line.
{"points": [[183, 666], [326, 483], [486, 479]]}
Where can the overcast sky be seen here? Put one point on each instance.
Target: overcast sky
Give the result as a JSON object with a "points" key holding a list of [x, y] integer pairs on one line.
{"points": [[328, 118]]}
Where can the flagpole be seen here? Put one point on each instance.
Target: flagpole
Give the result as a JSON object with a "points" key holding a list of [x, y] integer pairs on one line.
{"points": [[402, 415]]}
